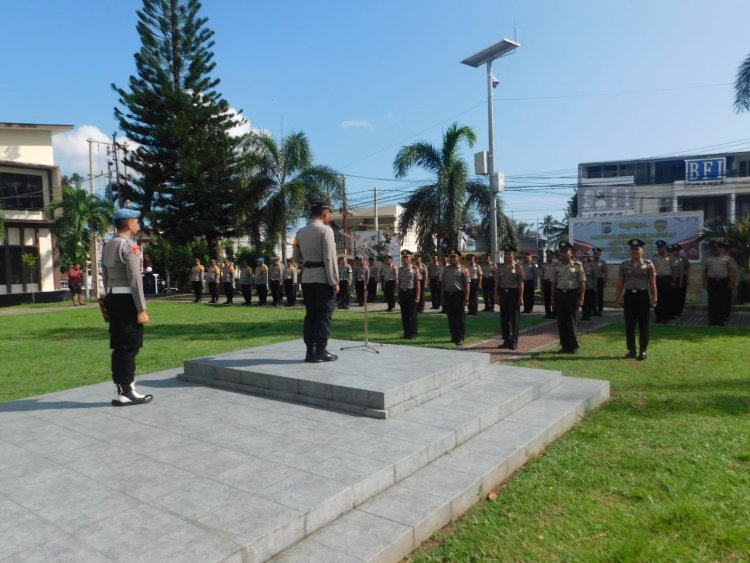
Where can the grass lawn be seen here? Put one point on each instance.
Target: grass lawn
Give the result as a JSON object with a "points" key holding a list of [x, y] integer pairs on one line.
{"points": [[660, 473], [50, 351]]}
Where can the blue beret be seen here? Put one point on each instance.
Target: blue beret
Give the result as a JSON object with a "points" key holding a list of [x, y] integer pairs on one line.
{"points": [[125, 213], [261, 259]]}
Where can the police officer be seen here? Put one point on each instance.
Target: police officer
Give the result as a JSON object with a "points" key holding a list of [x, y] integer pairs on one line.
{"points": [[372, 280], [261, 281], [665, 282], [423, 274], [126, 306], [408, 294], [682, 267], [315, 249], [509, 294], [246, 282], [530, 275], [488, 282], [196, 279], [601, 273], [434, 272], [345, 282], [275, 277], [227, 280], [454, 295], [637, 278], [475, 279], [719, 278], [546, 276], [589, 296], [213, 276], [389, 276], [290, 282], [568, 287], [360, 275]]}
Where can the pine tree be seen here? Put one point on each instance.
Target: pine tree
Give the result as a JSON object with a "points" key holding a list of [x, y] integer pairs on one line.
{"points": [[185, 165]]}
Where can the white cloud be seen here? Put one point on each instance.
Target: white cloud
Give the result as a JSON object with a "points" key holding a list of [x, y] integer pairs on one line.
{"points": [[72, 150], [357, 124], [243, 128]]}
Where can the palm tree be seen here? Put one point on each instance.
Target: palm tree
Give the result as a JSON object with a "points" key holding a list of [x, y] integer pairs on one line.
{"points": [[480, 199], [83, 214], [736, 234], [279, 182], [552, 229], [742, 87], [438, 208]]}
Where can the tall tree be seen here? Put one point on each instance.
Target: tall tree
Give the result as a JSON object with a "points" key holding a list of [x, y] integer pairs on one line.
{"points": [[479, 201], [552, 229], [186, 161], [742, 87], [438, 208], [281, 182]]}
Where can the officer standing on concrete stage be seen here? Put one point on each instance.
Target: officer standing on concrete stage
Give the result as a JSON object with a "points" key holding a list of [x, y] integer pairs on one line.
{"points": [[196, 279], [637, 278], [408, 295], [389, 276], [682, 267], [720, 274], [509, 294], [546, 276], [246, 282], [475, 279], [213, 276], [345, 282], [665, 282], [315, 249], [423, 275], [455, 286], [126, 306], [568, 287], [601, 271], [434, 272], [488, 282]]}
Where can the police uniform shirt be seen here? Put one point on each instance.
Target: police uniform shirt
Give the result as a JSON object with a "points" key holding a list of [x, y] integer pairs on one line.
{"points": [[408, 277], [474, 270], [246, 276], [359, 272], [121, 258], [547, 269], [589, 269], [196, 273], [261, 275], [315, 243], [636, 275], [434, 270], [275, 272], [212, 274], [529, 271], [600, 268], [345, 273], [372, 270], [488, 270], [290, 273], [509, 276], [716, 267], [662, 264], [227, 273], [422, 272], [568, 276], [455, 279], [390, 272]]}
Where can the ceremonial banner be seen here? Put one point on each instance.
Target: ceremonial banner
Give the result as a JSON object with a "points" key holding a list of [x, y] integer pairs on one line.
{"points": [[611, 234]]}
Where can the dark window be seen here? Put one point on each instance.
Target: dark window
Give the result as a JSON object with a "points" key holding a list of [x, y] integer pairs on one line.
{"points": [[742, 208], [21, 191], [642, 173], [609, 171], [669, 171], [593, 172], [744, 168], [626, 170], [16, 265], [714, 207]]}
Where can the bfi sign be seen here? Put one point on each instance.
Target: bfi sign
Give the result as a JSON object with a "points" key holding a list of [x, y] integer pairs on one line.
{"points": [[705, 171]]}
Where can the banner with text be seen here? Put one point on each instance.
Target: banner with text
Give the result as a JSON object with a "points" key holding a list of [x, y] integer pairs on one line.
{"points": [[611, 234]]}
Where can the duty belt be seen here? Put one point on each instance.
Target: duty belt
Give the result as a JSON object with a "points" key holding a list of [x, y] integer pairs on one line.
{"points": [[313, 264], [119, 290]]}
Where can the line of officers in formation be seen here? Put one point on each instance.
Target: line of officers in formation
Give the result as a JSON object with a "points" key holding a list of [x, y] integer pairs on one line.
{"points": [[568, 282]]}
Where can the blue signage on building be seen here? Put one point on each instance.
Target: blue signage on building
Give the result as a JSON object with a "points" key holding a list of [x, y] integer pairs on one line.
{"points": [[705, 170]]}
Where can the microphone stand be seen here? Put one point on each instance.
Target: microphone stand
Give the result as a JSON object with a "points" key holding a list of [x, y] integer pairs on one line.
{"points": [[366, 346]]}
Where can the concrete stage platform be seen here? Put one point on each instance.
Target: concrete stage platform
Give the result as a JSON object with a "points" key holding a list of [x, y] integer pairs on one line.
{"points": [[204, 474]]}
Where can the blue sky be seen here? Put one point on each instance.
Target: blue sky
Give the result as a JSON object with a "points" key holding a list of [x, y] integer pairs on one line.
{"points": [[593, 80]]}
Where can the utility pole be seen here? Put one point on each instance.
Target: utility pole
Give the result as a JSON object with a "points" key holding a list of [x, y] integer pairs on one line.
{"points": [[94, 257], [343, 217], [375, 204], [117, 168]]}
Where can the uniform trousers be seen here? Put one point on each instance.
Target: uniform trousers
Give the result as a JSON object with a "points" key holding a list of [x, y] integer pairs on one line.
{"points": [[420, 305], [454, 308], [229, 291], [474, 297], [663, 309], [488, 292], [528, 296], [213, 290], [247, 293], [435, 292], [407, 301], [681, 294], [547, 292], [197, 290], [372, 289], [589, 303], [599, 296], [719, 300], [389, 290], [275, 291], [343, 296], [566, 301], [359, 289], [510, 314], [637, 309], [125, 337], [291, 292], [262, 290], [319, 305]]}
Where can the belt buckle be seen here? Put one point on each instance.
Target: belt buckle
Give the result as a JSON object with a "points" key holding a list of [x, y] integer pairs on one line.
{"points": [[633, 291]]}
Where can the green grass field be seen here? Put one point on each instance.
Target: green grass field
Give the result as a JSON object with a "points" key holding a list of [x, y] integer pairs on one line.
{"points": [[49, 351], [660, 473]]}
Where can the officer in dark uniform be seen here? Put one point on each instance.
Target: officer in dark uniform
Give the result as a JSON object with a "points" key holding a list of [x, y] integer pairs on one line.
{"points": [[315, 249], [408, 295], [475, 279], [509, 294], [126, 306], [601, 272], [360, 275], [423, 275], [546, 275], [665, 282], [720, 274], [488, 282], [589, 296], [389, 274], [682, 267], [454, 295], [345, 280], [434, 272], [568, 288], [637, 278]]}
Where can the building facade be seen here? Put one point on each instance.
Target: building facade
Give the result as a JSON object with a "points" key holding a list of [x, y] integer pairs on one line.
{"points": [[362, 219], [29, 181]]}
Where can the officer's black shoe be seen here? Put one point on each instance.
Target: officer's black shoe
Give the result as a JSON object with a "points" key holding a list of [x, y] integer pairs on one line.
{"points": [[642, 356], [126, 396], [630, 354], [562, 351], [503, 345], [460, 342], [326, 356], [513, 346]]}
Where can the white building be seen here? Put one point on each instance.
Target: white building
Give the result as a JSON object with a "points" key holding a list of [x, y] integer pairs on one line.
{"points": [[29, 181], [363, 219]]}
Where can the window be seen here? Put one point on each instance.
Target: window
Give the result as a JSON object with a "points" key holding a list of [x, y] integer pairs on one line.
{"points": [[21, 191], [593, 172], [669, 171], [742, 207], [714, 207], [609, 171]]}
